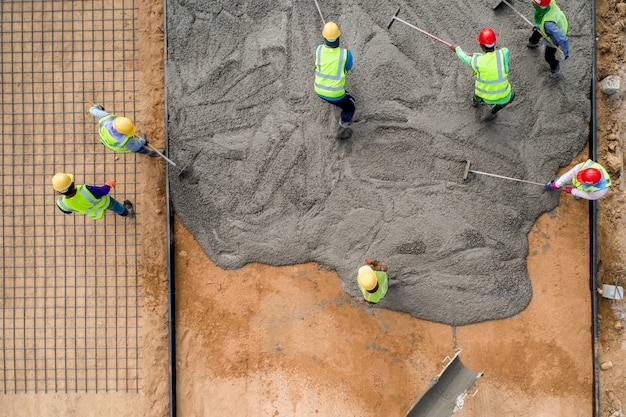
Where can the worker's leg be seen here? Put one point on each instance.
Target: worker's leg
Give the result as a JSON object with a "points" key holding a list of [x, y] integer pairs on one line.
{"points": [[476, 101], [348, 107], [550, 55], [124, 210], [147, 151], [534, 39], [496, 108]]}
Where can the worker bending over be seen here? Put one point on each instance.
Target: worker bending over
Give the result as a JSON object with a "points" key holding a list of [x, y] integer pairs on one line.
{"points": [[491, 70], [372, 280], [589, 179], [551, 25]]}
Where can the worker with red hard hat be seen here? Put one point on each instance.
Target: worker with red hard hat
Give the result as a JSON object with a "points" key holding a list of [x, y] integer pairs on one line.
{"points": [[589, 179], [551, 25], [491, 71], [372, 280], [118, 133], [332, 63]]}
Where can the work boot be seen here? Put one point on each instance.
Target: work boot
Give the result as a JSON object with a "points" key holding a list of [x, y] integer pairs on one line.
{"points": [[129, 209], [343, 124], [532, 44], [155, 154], [556, 73], [475, 102]]}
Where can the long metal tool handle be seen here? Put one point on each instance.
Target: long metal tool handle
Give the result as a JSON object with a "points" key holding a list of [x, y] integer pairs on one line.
{"points": [[546, 37], [164, 157], [320, 12], [423, 31], [506, 178]]}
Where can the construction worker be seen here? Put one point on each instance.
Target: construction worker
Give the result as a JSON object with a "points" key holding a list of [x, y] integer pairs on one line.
{"points": [[589, 179], [551, 25], [491, 70], [331, 65], [118, 133], [372, 280], [88, 199]]}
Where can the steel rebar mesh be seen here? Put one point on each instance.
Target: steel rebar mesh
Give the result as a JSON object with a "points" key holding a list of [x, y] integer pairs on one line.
{"points": [[70, 306]]}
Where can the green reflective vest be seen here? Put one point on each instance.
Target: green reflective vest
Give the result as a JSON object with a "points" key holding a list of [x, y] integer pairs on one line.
{"points": [[605, 182], [85, 202], [381, 291], [555, 15], [492, 81], [110, 137], [330, 71]]}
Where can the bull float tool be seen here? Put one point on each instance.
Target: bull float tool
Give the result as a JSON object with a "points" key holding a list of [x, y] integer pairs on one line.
{"points": [[320, 12], [395, 17], [468, 170], [546, 37]]}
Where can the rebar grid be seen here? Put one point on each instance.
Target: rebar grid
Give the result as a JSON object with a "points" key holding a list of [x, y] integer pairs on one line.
{"points": [[70, 309]]}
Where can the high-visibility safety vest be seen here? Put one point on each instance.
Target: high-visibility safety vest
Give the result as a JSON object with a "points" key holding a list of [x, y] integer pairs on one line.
{"points": [[110, 137], [555, 15], [85, 202], [330, 71], [605, 182], [381, 291], [492, 81]]}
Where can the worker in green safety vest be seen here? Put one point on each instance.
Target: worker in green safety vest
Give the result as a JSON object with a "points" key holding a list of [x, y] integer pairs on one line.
{"points": [[551, 25], [590, 181], [372, 280], [118, 133], [331, 66], [491, 72], [88, 199]]}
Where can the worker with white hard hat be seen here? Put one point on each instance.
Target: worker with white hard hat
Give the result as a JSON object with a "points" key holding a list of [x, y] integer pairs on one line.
{"points": [[590, 181], [551, 24], [331, 66], [90, 200], [118, 133], [372, 280], [491, 72]]}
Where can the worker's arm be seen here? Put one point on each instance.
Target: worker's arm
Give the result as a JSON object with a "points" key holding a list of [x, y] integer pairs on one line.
{"points": [[348, 60], [559, 39], [465, 58], [99, 191], [63, 211], [588, 195], [568, 176], [135, 143], [505, 53], [98, 112]]}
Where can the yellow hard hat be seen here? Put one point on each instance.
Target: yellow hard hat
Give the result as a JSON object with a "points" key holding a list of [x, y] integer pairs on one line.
{"points": [[331, 31], [367, 278], [124, 125], [62, 181]]}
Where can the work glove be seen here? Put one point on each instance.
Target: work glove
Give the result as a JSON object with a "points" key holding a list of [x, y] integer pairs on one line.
{"points": [[453, 47], [99, 107], [110, 183], [568, 190], [551, 185], [560, 56]]}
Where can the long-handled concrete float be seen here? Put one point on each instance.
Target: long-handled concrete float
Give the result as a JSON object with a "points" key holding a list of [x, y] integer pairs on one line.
{"points": [[468, 170]]}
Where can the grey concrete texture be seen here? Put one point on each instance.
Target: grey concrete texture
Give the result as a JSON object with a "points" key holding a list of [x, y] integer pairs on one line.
{"points": [[267, 180]]}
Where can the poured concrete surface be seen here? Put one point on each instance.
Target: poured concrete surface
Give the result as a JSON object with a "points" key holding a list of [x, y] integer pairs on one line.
{"points": [[273, 184]]}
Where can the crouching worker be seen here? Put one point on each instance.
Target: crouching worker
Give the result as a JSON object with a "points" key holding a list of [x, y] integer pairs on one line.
{"points": [[372, 280], [90, 200]]}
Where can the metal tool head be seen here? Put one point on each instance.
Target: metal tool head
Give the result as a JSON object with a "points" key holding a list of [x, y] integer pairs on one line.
{"points": [[467, 170], [498, 3], [393, 18]]}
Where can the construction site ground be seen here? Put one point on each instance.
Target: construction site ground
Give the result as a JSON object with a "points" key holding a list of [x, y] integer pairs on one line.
{"points": [[287, 341]]}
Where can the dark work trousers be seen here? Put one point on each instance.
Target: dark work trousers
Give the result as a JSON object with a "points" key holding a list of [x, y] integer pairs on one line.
{"points": [[347, 105], [549, 53]]}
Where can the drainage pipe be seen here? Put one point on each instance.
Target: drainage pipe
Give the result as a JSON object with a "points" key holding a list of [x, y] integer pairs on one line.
{"points": [[171, 340], [592, 224]]}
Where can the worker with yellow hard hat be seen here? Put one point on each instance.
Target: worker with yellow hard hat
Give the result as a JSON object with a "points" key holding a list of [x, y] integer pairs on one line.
{"points": [[372, 280], [90, 200], [118, 133], [331, 66]]}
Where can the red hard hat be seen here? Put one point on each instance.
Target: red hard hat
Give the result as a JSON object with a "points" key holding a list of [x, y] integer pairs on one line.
{"points": [[487, 37], [589, 176], [541, 3]]}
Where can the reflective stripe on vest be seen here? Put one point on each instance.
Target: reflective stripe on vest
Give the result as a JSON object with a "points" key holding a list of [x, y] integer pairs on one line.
{"points": [[492, 82], [85, 202], [110, 137], [605, 182], [330, 73], [557, 16], [381, 291]]}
